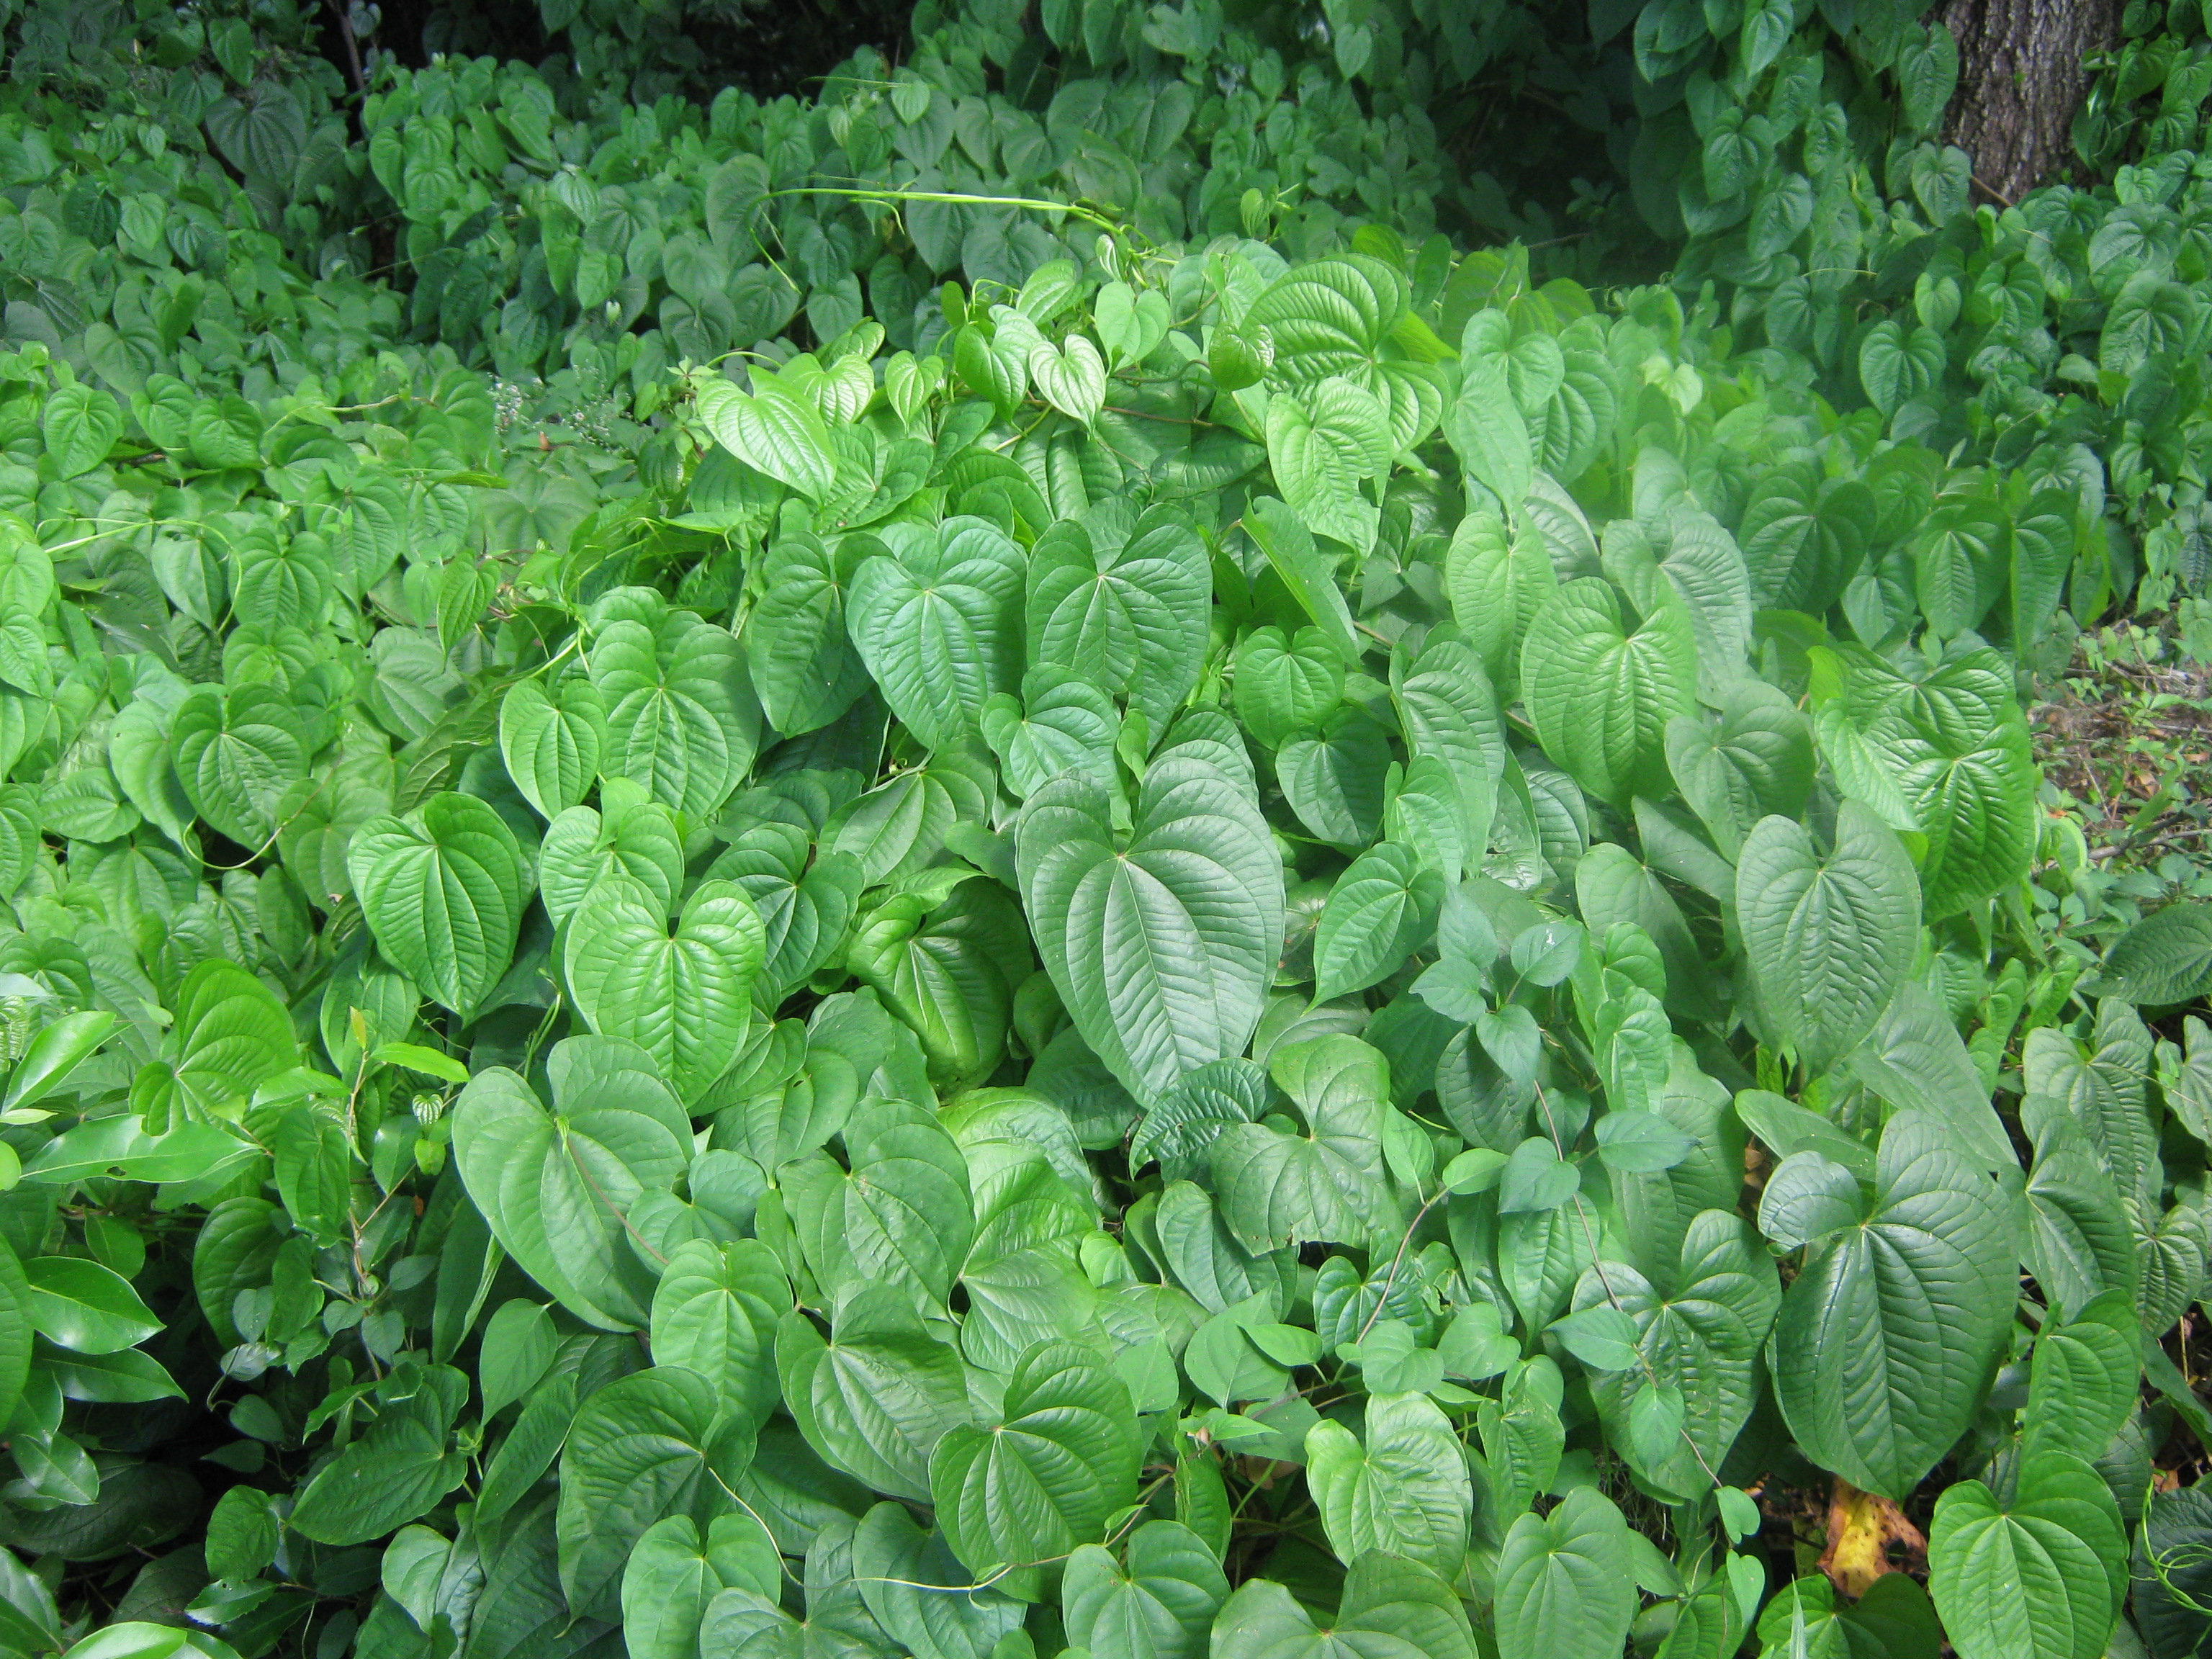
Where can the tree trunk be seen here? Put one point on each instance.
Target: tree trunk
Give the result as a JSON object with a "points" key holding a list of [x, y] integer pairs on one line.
{"points": [[2020, 80]]}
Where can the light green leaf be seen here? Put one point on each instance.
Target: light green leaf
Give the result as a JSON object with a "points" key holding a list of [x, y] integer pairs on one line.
{"points": [[1182, 1124], [582, 847], [1161, 1605], [1826, 941], [1893, 1619], [642, 1449], [1323, 442], [1046, 1478], [1071, 377], [443, 891], [686, 998], [1914, 1060], [1970, 783], [1382, 910], [552, 742], [1162, 943], [1896, 365], [1803, 538], [1599, 698], [82, 423], [2100, 1084], [2165, 959], [937, 618], [393, 1473], [1392, 1609], [909, 1582], [1400, 1488], [518, 1350], [899, 1217], [2085, 1377], [877, 1398], [1960, 559], [1278, 1188], [557, 1186], [682, 719], [84, 1307], [1061, 723], [715, 1311], [803, 666], [1890, 1333], [1564, 1585], [1488, 433], [1336, 780], [2038, 1576], [1498, 578], [1286, 686], [314, 1171], [1702, 1334], [1758, 761], [673, 1574], [2080, 1241], [1305, 570], [1123, 605], [231, 1035], [780, 433], [2042, 558], [237, 755]]}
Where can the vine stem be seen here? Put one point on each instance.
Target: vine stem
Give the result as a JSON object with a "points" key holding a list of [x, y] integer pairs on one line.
{"points": [[1390, 1278], [951, 198]]}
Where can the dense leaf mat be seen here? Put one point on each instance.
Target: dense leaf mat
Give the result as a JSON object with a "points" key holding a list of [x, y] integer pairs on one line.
{"points": [[977, 869]]}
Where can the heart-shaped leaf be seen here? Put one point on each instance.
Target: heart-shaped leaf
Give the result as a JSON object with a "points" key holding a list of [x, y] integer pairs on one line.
{"points": [[556, 1186], [686, 998], [1043, 1479], [1392, 1608], [443, 890], [1071, 377], [552, 741], [1160, 943], [937, 618], [1826, 939]]}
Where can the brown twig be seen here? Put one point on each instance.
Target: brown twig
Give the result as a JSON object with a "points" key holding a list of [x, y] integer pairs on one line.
{"points": [[352, 46]]}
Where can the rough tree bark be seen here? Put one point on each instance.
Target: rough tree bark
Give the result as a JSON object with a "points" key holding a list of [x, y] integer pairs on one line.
{"points": [[2020, 81]]}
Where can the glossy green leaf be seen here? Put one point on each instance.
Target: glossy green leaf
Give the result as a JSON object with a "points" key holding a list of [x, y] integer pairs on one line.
{"points": [[1158, 1603], [1825, 940], [1382, 910], [937, 618], [641, 1449], [443, 891], [1702, 1335], [877, 1398], [1921, 1275], [553, 740], [556, 1186], [715, 1312], [685, 997], [393, 1474], [674, 1573], [1397, 1487], [2042, 1572], [1161, 942], [682, 718], [1045, 1477], [1124, 605], [1391, 1610], [1564, 1586], [1600, 697]]}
